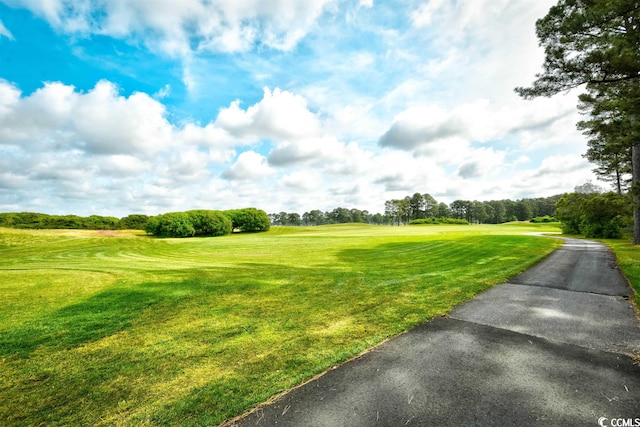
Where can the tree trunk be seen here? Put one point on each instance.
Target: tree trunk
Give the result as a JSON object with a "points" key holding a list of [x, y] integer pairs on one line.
{"points": [[635, 189]]}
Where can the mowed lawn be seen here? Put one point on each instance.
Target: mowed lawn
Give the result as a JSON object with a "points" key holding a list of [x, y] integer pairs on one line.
{"points": [[104, 328]]}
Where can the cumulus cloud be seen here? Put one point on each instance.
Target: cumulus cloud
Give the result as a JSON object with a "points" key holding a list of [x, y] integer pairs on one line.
{"points": [[249, 166], [471, 169], [305, 181], [433, 130], [296, 134], [179, 28], [565, 165], [480, 162], [99, 121], [99, 144], [79, 145], [420, 126], [305, 149], [279, 115]]}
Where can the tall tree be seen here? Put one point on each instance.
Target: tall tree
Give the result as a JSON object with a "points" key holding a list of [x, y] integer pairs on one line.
{"points": [[595, 43], [416, 204], [609, 142], [430, 205], [442, 210], [498, 211], [461, 209], [392, 209]]}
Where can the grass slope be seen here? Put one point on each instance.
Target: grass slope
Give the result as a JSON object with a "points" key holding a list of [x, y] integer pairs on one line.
{"points": [[124, 329]]}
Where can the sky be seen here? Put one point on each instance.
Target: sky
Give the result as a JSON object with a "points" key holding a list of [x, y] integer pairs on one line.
{"points": [[114, 107]]}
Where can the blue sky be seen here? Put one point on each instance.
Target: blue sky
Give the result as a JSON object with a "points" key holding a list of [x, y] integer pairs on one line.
{"points": [[123, 106]]}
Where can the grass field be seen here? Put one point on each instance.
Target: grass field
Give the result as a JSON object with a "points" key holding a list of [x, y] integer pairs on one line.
{"points": [[628, 257], [119, 328]]}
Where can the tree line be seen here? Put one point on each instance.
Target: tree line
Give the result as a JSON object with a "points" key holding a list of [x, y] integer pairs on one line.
{"points": [[424, 206], [335, 216], [34, 220], [173, 224], [587, 211]]}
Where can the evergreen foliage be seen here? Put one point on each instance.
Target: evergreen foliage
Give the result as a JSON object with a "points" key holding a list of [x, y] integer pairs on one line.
{"points": [[594, 215]]}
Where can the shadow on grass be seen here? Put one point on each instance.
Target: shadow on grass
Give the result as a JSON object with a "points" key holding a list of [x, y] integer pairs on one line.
{"points": [[115, 309], [99, 316], [272, 324]]}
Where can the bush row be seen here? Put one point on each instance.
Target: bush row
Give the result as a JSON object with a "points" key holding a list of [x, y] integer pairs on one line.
{"points": [[33, 220], [199, 223], [441, 220], [173, 224], [543, 219]]}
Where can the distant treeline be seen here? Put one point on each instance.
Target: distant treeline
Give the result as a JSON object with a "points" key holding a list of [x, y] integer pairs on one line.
{"points": [[34, 220], [173, 224], [424, 206]]}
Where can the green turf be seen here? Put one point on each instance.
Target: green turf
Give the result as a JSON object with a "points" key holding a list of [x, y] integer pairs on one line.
{"points": [[628, 257], [119, 328]]}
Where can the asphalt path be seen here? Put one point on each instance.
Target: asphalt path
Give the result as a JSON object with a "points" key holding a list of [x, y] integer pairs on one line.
{"points": [[553, 346]]}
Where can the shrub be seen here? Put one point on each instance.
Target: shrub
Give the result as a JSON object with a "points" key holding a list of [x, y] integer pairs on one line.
{"points": [[210, 223], [543, 219], [603, 215], [249, 219], [441, 220], [173, 224], [134, 222], [594, 215], [189, 224]]}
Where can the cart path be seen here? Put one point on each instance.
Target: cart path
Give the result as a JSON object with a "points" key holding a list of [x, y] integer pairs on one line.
{"points": [[552, 346]]}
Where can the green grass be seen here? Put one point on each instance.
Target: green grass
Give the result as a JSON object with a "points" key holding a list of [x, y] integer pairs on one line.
{"points": [[628, 257], [131, 330]]}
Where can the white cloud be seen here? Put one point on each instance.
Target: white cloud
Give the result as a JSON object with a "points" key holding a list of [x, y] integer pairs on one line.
{"points": [[419, 126], [249, 166], [317, 149], [4, 32], [305, 181], [99, 121], [561, 165], [424, 14], [9, 97], [279, 115], [480, 162], [179, 28], [488, 44], [163, 93], [434, 131], [424, 106]]}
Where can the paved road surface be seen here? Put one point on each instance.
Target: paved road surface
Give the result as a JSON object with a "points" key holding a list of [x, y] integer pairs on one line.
{"points": [[551, 347]]}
